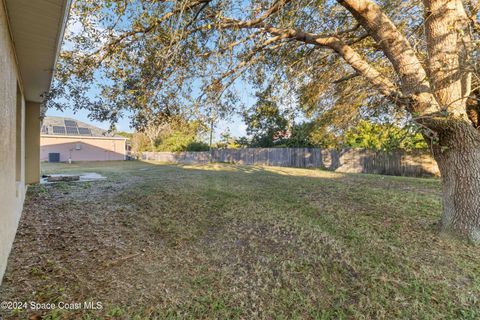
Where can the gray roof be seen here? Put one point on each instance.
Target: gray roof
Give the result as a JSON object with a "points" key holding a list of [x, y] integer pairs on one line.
{"points": [[62, 126]]}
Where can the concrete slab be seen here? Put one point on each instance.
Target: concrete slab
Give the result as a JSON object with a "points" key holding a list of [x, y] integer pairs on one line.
{"points": [[86, 176]]}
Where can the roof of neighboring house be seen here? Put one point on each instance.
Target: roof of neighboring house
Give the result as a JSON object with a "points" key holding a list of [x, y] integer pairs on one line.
{"points": [[36, 28], [61, 126]]}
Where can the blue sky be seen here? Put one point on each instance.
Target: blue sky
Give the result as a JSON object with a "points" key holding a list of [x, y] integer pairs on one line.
{"points": [[235, 125]]}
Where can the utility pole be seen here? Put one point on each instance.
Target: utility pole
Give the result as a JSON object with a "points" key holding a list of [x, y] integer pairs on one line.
{"points": [[210, 115], [211, 133]]}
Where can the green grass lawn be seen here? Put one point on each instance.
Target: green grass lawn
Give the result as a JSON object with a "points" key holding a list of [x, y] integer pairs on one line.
{"points": [[157, 241]]}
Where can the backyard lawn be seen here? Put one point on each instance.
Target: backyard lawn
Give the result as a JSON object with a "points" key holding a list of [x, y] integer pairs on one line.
{"points": [[155, 241]]}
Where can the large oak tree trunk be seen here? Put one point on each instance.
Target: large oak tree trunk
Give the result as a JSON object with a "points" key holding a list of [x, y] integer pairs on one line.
{"points": [[458, 158]]}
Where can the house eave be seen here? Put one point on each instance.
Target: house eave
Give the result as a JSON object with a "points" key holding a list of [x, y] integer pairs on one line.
{"points": [[80, 137], [37, 28]]}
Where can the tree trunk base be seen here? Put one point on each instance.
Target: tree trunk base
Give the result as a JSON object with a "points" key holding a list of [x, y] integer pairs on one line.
{"points": [[458, 158]]}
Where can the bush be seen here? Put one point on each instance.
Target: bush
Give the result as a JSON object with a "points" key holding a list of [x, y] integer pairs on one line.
{"points": [[179, 142], [198, 146], [383, 137]]}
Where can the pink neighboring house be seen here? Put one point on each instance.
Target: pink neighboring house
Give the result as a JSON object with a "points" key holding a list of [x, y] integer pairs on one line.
{"points": [[79, 141]]}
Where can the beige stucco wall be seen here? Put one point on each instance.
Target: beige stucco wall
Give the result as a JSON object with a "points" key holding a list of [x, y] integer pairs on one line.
{"points": [[12, 192], [32, 142], [82, 148]]}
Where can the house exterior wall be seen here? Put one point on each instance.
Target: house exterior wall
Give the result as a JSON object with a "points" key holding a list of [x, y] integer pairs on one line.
{"points": [[32, 142], [12, 190], [82, 148]]}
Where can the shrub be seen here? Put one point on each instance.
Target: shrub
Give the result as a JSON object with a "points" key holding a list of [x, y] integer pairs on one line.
{"points": [[198, 146]]}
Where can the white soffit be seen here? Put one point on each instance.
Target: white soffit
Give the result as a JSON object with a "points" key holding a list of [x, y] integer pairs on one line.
{"points": [[37, 28]]}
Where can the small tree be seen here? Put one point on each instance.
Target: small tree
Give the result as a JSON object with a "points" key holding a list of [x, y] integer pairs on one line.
{"points": [[265, 122], [139, 143], [227, 141]]}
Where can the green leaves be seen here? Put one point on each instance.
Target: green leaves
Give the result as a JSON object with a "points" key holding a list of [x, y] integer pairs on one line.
{"points": [[383, 137], [265, 121]]}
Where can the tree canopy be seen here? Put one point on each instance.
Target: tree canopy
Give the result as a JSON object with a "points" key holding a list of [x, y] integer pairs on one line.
{"points": [[154, 55]]}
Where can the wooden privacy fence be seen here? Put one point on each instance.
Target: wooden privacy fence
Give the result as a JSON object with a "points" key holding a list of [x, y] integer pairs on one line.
{"points": [[398, 162]]}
